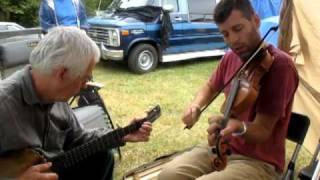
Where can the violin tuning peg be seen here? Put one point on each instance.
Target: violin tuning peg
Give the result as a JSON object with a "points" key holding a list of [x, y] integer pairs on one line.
{"points": [[225, 142], [228, 152], [214, 150]]}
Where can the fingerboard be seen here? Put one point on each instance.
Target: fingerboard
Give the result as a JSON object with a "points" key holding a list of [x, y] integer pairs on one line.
{"points": [[101, 144]]}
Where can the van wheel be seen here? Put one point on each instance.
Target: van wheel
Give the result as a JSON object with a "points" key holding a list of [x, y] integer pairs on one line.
{"points": [[143, 58]]}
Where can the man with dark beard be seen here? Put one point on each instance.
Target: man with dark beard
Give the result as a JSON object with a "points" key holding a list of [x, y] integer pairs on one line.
{"points": [[257, 135]]}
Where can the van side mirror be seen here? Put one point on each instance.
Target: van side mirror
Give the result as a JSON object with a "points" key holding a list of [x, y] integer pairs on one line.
{"points": [[168, 7]]}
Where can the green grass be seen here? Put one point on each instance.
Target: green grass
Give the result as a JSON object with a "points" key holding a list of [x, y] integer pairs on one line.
{"points": [[173, 86]]}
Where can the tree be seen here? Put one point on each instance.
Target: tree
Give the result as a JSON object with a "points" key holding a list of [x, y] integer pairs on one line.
{"points": [[25, 12], [93, 5]]}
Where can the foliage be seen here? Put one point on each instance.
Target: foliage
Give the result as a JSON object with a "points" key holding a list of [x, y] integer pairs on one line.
{"points": [[25, 12], [93, 5]]}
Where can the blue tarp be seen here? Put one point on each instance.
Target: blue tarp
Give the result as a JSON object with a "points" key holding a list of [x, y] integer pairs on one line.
{"points": [[268, 11], [266, 24], [266, 8]]}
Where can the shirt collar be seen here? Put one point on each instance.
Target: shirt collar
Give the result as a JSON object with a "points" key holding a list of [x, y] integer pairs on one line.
{"points": [[28, 90]]}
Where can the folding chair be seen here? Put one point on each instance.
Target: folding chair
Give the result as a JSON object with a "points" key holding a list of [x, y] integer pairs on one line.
{"points": [[312, 170], [91, 110], [316, 173], [89, 97], [297, 130]]}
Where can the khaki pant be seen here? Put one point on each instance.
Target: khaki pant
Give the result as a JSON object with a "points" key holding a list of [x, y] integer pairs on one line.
{"points": [[195, 164]]}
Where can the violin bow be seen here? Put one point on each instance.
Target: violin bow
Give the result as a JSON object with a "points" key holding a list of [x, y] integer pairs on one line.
{"points": [[252, 55]]}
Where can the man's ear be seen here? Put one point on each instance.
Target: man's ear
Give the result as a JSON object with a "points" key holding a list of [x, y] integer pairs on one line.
{"points": [[256, 20], [60, 73]]}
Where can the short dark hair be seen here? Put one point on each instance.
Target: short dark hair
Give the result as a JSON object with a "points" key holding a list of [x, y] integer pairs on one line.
{"points": [[224, 8]]}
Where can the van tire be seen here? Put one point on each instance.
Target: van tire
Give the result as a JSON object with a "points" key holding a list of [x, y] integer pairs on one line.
{"points": [[143, 58]]}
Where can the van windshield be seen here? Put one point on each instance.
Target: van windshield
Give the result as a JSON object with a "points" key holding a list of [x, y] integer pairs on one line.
{"points": [[125, 4]]}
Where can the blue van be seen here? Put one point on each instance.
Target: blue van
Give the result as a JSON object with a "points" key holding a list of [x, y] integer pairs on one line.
{"points": [[144, 33]]}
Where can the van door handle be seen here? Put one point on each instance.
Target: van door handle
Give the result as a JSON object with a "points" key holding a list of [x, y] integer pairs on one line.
{"points": [[178, 18]]}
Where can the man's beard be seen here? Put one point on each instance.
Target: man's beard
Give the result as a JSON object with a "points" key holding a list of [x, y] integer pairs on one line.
{"points": [[245, 56], [252, 47]]}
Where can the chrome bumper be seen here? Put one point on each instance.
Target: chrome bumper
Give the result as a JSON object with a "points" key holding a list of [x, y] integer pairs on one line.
{"points": [[111, 54]]}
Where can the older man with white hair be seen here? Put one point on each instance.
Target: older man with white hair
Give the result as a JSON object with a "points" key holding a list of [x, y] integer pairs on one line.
{"points": [[35, 113]]}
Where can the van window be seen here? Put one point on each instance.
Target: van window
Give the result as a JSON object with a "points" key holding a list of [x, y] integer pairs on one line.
{"points": [[201, 10], [174, 3]]}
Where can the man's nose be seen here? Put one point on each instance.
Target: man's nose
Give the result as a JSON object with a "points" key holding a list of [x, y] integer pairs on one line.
{"points": [[233, 38]]}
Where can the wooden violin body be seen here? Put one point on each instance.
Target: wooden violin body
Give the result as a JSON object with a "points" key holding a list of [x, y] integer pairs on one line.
{"points": [[249, 84]]}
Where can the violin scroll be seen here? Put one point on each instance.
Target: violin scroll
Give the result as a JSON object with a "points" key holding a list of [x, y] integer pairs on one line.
{"points": [[222, 150]]}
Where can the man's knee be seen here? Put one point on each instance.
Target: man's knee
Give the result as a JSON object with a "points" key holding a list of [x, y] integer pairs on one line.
{"points": [[167, 173], [174, 172]]}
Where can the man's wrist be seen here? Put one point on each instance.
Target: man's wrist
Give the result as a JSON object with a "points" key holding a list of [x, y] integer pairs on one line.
{"points": [[197, 106], [244, 130], [195, 113]]}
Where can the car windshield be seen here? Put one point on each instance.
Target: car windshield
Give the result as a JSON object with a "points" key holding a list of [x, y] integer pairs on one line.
{"points": [[125, 4]]}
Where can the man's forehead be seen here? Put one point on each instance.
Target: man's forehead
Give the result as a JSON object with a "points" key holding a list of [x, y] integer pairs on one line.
{"points": [[235, 18]]}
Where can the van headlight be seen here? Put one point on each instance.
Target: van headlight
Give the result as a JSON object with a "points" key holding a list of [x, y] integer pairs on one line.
{"points": [[114, 37]]}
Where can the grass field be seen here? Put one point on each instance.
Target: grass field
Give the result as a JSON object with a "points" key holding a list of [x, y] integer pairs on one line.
{"points": [[173, 86]]}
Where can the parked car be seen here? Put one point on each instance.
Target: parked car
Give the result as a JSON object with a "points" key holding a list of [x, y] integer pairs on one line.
{"points": [[16, 44], [9, 26], [140, 33]]}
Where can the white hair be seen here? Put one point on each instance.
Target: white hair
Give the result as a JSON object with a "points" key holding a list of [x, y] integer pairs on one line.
{"points": [[68, 47]]}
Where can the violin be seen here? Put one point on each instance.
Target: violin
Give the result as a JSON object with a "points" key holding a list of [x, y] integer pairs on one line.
{"points": [[243, 93]]}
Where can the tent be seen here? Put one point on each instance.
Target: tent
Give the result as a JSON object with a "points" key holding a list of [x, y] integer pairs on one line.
{"points": [[300, 37]]}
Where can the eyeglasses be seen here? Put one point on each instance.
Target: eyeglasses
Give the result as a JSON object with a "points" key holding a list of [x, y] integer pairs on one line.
{"points": [[86, 78]]}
